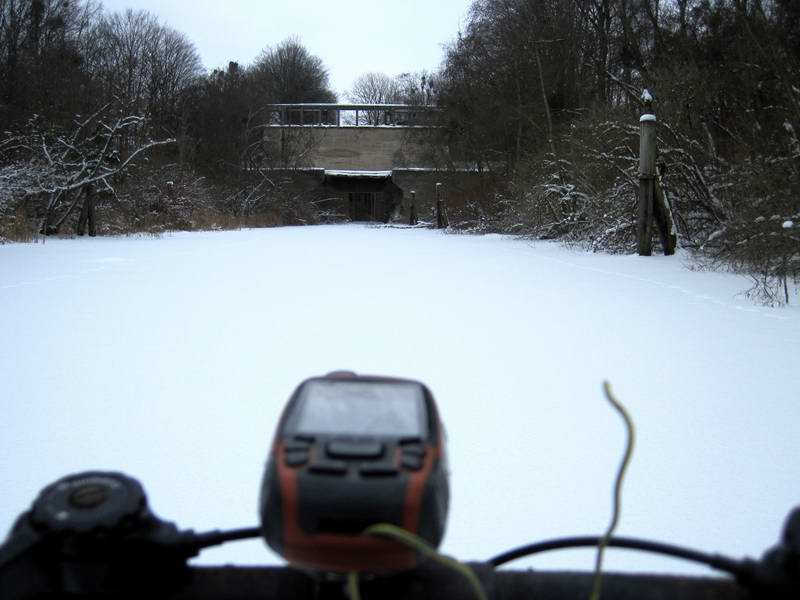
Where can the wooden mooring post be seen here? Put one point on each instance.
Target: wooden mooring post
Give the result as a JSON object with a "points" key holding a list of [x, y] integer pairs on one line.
{"points": [[652, 203], [441, 210]]}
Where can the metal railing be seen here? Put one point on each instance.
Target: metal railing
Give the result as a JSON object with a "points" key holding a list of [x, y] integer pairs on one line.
{"points": [[351, 115]]}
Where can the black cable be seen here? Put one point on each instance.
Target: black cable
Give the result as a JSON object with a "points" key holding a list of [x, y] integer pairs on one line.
{"points": [[737, 568], [215, 538], [722, 563]]}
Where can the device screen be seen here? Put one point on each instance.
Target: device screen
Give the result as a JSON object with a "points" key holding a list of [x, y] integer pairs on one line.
{"points": [[361, 408]]}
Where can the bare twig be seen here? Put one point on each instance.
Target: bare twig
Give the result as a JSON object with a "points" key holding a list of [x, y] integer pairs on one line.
{"points": [[626, 459]]}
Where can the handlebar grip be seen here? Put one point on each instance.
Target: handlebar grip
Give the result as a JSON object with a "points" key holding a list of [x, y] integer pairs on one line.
{"points": [[566, 585]]}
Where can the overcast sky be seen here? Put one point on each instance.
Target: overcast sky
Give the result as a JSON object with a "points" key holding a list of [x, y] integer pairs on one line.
{"points": [[350, 36]]}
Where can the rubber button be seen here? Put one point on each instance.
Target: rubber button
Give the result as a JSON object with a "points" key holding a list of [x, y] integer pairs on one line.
{"points": [[297, 446], [378, 471], [329, 468], [348, 449], [411, 440], [414, 449], [296, 458], [90, 495], [411, 462]]}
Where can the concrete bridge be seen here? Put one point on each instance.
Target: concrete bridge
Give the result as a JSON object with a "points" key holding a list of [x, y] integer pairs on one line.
{"points": [[365, 160]]}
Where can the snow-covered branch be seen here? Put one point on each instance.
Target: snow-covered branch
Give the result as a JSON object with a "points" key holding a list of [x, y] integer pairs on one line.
{"points": [[65, 163]]}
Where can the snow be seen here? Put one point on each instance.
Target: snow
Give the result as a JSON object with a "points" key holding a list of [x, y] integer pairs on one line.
{"points": [[354, 106], [646, 95], [788, 224], [170, 359], [358, 174], [647, 118], [435, 170], [348, 126]]}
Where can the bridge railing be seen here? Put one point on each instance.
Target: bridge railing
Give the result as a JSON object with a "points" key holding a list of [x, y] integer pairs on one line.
{"points": [[351, 115]]}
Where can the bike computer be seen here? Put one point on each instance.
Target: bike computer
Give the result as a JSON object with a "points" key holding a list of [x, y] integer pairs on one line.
{"points": [[350, 452]]}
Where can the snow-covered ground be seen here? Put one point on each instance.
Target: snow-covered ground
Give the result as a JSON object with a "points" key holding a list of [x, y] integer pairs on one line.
{"points": [[171, 358]]}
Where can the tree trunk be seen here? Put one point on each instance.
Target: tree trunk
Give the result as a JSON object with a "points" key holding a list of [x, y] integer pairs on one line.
{"points": [[80, 228], [87, 213], [602, 26], [518, 148], [90, 203], [550, 142], [47, 228]]}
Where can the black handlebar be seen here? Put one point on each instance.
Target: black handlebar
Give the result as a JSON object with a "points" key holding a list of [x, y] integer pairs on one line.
{"points": [[93, 536], [435, 583], [431, 582]]}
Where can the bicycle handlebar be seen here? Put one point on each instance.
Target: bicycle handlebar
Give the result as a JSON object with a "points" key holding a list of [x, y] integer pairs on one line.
{"points": [[429, 582], [123, 550]]}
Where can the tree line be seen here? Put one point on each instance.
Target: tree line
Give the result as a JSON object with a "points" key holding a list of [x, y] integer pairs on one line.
{"points": [[115, 111]]}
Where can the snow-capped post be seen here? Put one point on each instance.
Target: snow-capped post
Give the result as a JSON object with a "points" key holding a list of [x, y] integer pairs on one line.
{"points": [[441, 213], [412, 219], [647, 174], [652, 203]]}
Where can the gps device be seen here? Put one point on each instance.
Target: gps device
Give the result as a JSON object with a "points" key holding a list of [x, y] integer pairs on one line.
{"points": [[350, 452]]}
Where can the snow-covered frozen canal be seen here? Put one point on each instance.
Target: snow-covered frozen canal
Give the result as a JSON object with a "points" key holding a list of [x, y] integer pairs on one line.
{"points": [[171, 358]]}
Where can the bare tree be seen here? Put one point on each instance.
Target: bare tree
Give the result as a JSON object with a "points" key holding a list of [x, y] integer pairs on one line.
{"points": [[41, 47], [418, 88], [288, 72], [174, 67], [146, 65], [70, 164], [374, 88]]}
